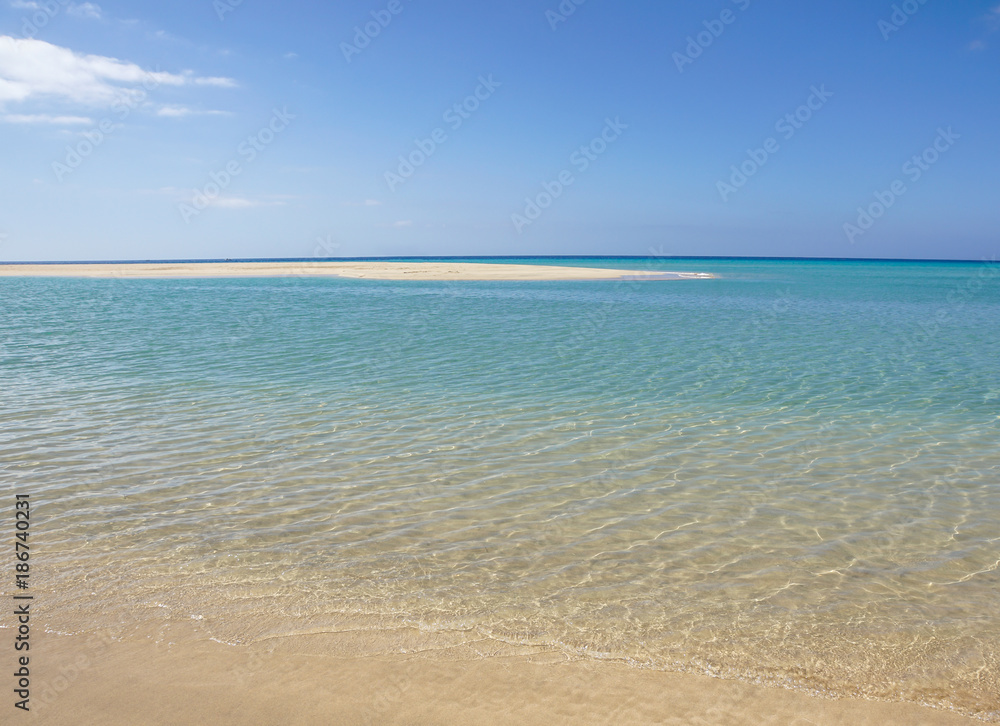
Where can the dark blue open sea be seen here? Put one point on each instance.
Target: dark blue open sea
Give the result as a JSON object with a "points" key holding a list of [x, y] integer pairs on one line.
{"points": [[787, 475]]}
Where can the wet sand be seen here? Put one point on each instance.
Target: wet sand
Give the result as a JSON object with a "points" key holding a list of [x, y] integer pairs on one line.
{"points": [[374, 270], [179, 676]]}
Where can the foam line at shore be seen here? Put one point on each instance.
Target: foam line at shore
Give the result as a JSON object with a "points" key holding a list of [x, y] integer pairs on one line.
{"points": [[172, 674]]}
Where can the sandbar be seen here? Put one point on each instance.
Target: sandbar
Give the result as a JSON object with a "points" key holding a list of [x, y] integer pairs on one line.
{"points": [[373, 270]]}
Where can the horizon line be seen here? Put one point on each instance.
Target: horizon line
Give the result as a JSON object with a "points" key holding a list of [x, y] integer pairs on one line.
{"points": [[496, 257]]}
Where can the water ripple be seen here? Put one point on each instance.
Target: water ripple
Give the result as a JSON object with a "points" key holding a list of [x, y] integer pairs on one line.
{"points": [[774, 476]]}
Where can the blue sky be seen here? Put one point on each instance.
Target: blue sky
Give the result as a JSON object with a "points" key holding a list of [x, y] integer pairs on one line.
{"points": [[201, 129]]}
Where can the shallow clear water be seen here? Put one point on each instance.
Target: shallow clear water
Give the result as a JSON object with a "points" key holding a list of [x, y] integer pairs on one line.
{"points": [[788, 475]]}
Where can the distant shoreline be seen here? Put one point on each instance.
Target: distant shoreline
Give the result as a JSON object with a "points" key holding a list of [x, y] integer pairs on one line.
{"points": [[373, 270], [491, 259]]}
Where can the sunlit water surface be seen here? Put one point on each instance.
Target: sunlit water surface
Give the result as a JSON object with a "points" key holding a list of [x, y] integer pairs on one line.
{"points": [[788, 475]]}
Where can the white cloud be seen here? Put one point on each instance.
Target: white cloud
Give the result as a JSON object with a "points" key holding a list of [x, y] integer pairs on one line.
{"points": [[84, 10], [403, 223], [183, 196], [210, 81], [32, 69], [366, 203], [240, 203], [44, 118], [174, 111], [225, 202], [992, 22], [232, 203], [25, 5], [181, 111], [993, 17], [290, 56]]}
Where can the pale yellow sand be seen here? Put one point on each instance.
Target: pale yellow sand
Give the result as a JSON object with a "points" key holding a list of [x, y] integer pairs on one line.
{"points": [[376, 270], [179, 677]]}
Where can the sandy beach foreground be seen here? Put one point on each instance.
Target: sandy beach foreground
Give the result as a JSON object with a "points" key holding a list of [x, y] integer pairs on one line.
{"points": [[177, 677], [373, 270]]}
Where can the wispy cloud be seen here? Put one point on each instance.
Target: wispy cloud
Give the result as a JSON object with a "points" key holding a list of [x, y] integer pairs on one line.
{"points": [[34, 69], [80, 10], [223, 201], [992, 22], [232, 203], [211, 81], [174, 111], [993, 18], [182, 111], [366, 203], [84, 10], [44, 118], [242, 203]]}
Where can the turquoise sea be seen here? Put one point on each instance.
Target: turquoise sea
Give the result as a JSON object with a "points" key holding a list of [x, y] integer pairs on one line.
{"points": [[788, 475]]}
